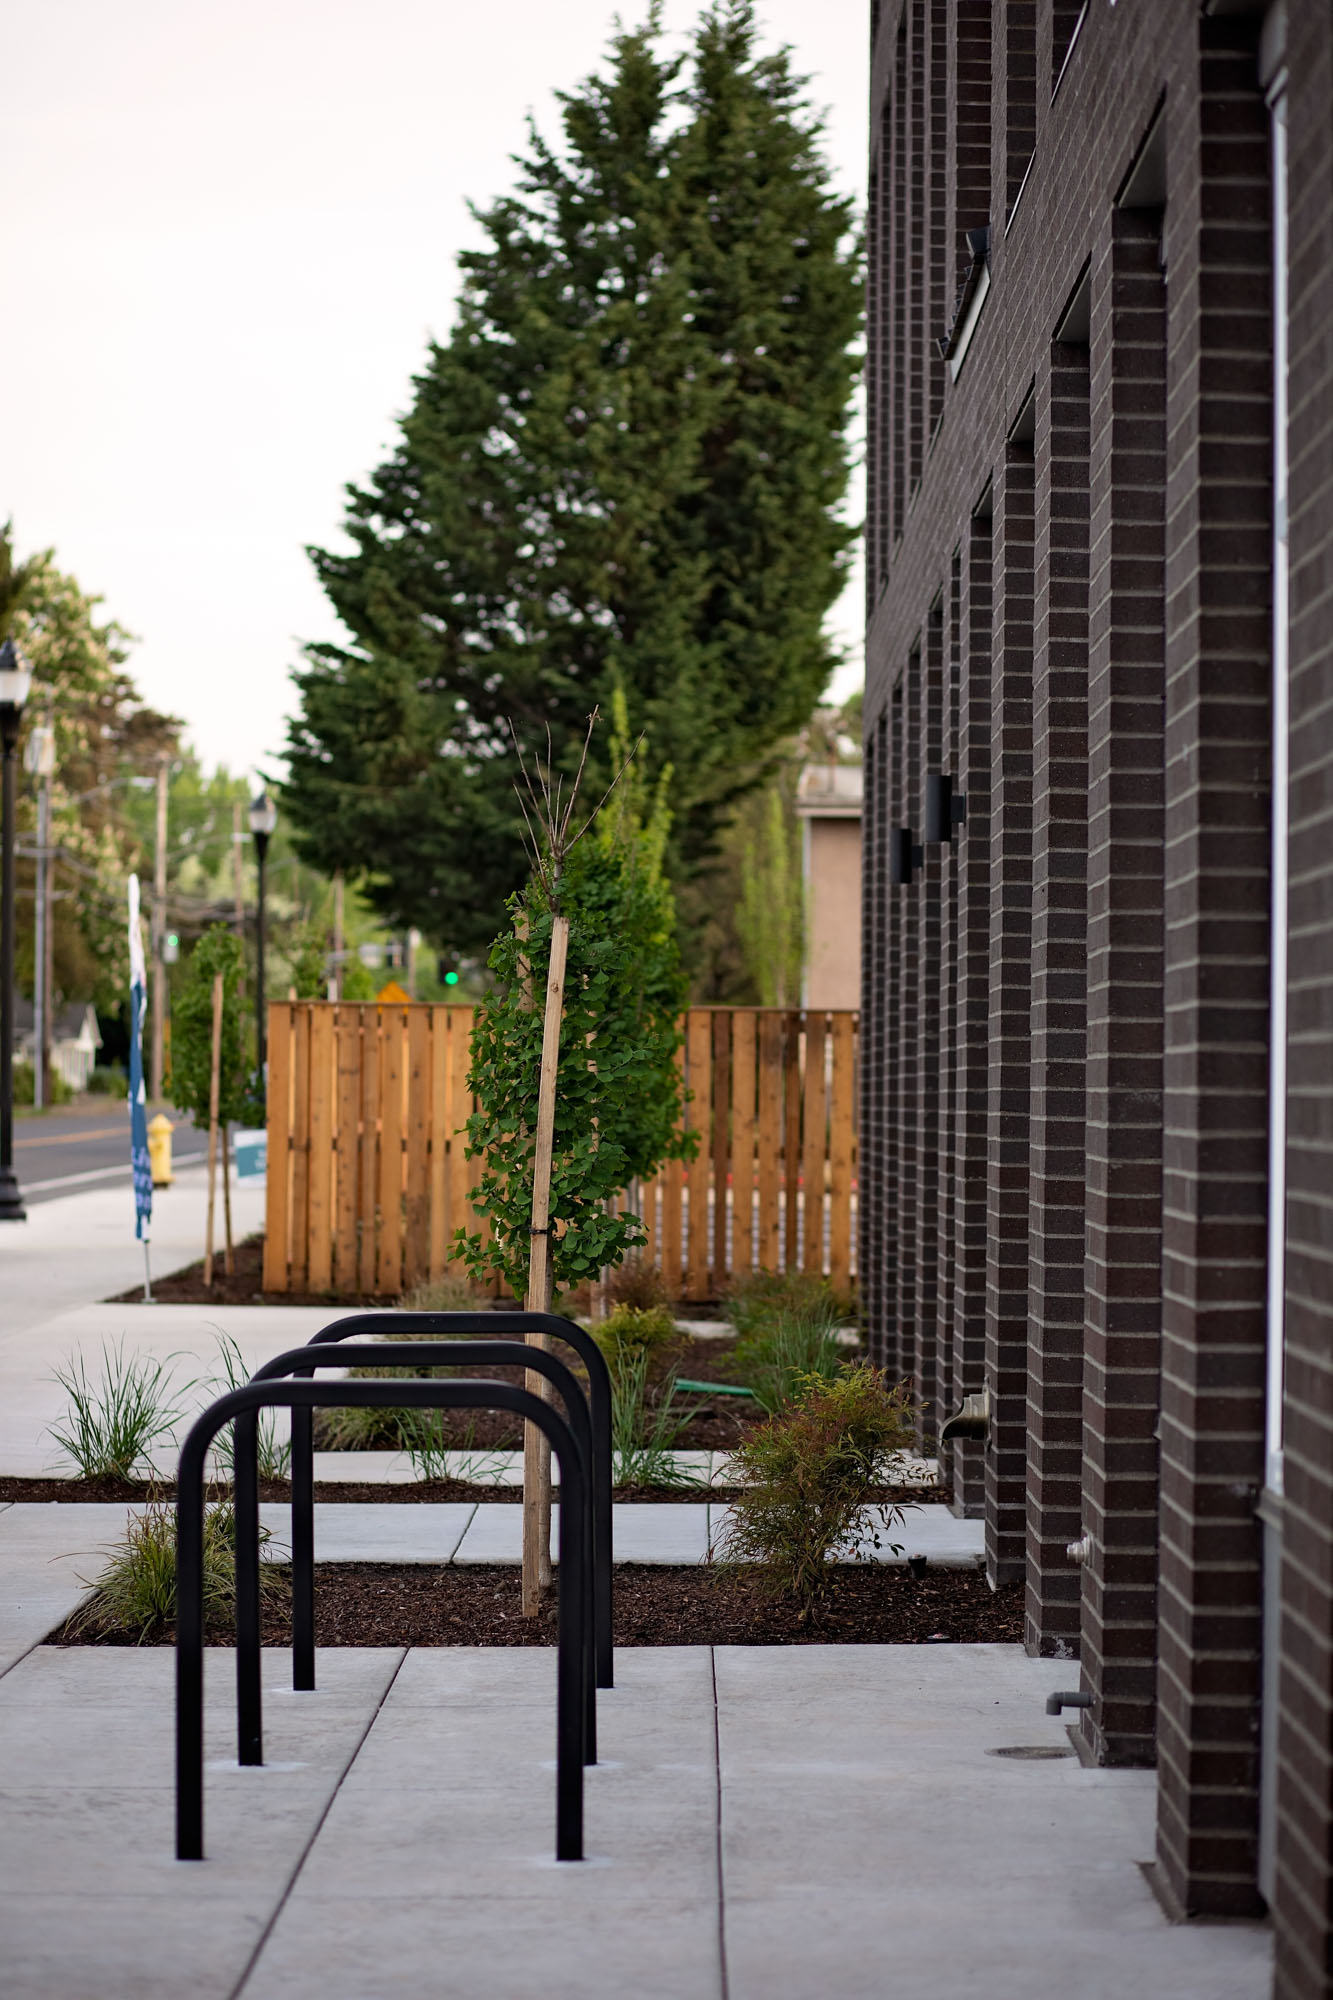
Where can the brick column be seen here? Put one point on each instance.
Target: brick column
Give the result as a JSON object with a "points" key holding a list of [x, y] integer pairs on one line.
{"points": [[1219, 665], [891, 1156], [870, 1203], [972, 863], [1010, 1022], [1124, 994], [948, 1006], [928, 890], [1303, 1912], [1059, 1003], [907, 921]]}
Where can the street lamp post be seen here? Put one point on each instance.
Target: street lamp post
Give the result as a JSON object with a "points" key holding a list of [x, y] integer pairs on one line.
{"points": [[263, 819], [15, 681]]}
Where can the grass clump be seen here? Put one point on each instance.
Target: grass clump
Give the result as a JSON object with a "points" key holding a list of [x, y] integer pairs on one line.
{"points": [[113, 1422], [136, 1590], [273, 1454], [433, 1456], [806, 1478], [645, 1425], [628, 1331], [788, 1327]]}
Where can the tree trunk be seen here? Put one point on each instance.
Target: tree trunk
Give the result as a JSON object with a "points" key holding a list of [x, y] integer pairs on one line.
{"points": [[536, 1448], [213, 1123]]}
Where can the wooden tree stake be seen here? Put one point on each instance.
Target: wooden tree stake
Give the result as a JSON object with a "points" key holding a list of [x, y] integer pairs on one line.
{"points": [[229, 1255], [536, 1447], [213, 1122]]}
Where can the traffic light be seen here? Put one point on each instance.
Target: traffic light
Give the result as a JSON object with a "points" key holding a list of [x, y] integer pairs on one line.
{"points": [[446, 966], [171, 948]]}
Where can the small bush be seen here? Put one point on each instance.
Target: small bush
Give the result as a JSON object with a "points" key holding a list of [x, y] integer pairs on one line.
{"points": [[806, 1477], [630, 1331], [637, 1284], [755, 1301], [25, 1086], [452, 1293], [112, 1423], [136, 1591], [109, 1082]]}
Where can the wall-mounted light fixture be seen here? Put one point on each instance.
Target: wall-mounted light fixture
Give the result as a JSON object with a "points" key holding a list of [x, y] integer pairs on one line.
{"points": [[904, 857], [945, 808]]}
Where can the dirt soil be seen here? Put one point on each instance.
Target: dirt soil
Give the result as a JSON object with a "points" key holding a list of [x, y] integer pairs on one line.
{"points": [[384, 1604], [361, 1491], [245, 1287]]}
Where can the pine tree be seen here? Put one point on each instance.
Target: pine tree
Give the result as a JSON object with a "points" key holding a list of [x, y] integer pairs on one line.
{"points": [[622, 468]]}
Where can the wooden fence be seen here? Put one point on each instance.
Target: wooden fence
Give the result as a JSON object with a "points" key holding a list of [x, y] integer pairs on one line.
{"points": [[367, 1179]]}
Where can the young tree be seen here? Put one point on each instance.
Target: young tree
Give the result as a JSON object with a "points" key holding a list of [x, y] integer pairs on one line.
{"points": [[218, 950], [624, 465]]}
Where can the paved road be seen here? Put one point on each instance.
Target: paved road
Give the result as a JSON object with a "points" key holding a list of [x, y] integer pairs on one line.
{"points": [[73, 1147]]}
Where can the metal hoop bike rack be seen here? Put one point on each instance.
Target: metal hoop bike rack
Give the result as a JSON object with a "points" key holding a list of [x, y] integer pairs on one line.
{"points": [[572, 1585], [245, 1495], [479, 1326]]}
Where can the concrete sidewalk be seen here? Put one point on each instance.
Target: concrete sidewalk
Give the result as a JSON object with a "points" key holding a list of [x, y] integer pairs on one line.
{"points": [[800, 1823]]}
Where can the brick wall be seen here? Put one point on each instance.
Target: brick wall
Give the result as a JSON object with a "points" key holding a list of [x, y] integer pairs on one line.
{"points": [[1305, 1777]]}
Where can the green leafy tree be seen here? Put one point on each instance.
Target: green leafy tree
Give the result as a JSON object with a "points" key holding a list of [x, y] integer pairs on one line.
{"points": [[625, 466], [218, 950], [618, 1091]]}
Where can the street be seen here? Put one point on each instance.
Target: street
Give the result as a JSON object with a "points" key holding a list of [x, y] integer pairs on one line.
{"points": [[76, 1146]]}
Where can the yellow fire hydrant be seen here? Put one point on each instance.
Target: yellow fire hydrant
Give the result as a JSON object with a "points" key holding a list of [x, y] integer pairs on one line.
{"points": [[160, 1130]]}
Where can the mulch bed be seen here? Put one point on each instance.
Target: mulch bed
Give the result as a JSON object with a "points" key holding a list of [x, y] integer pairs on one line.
{"points": [[349, 1491], [245, 1287], [387, 1604]]}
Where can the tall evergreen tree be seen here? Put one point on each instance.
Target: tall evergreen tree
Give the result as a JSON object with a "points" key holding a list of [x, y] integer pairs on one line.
{"points": [[623, 468]]}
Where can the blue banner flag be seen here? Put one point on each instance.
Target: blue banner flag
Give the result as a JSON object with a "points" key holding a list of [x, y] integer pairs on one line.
{"points": [[139, 1162]]}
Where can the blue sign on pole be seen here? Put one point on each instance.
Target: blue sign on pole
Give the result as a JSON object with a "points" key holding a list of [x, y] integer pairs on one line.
{"points": [[139, 1161]]}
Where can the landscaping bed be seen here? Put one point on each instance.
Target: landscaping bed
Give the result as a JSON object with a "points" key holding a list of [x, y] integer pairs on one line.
{"points": [[871, 1604], [410, 1493]]}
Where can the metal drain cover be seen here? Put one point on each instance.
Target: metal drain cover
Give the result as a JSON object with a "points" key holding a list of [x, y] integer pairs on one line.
{"points": [[1032, 1752]]}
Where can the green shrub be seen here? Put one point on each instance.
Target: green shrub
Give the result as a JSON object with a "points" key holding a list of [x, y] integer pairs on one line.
{"points": [[136, 1590], [806, 1476], [109, 1082], [452, 1293], [25, 1086], [629, 1331], [637, 1284], [756, 1300], [112, 1423]]}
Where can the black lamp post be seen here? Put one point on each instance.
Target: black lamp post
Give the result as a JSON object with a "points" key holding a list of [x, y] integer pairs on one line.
{"points": [[263, 819], [15, 681]]}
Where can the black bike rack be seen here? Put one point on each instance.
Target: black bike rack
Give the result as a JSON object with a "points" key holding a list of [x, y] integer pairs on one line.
{"points": [[481, 1326], [572, 1585], [245, 1497]]}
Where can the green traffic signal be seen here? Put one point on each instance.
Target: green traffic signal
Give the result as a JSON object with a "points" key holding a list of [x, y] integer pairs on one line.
{"points": [[451, 979]]}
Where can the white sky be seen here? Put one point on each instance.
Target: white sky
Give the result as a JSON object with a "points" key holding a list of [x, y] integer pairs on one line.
{"points": [[228, 231]]}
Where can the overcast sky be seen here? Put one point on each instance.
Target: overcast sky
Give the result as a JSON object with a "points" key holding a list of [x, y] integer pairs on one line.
{"points": [[228, 232]]}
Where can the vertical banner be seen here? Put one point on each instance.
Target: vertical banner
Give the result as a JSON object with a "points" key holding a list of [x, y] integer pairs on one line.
{"points": [[139, 1162]]}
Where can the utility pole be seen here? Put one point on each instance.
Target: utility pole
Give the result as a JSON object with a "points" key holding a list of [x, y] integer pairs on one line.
{"points": [[40, 758], [160, 931], [238, 869]]}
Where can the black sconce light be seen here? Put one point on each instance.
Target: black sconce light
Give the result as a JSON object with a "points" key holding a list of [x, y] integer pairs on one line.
{"points": [[903, 856], [945, 809]]}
